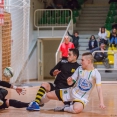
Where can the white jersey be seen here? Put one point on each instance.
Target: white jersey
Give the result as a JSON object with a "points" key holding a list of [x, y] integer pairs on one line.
{"points": [[85, 82]]}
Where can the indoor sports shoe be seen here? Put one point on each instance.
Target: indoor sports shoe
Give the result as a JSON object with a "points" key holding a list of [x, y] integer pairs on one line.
{"points": [[33, 106], [60, 109], [1, 102]]}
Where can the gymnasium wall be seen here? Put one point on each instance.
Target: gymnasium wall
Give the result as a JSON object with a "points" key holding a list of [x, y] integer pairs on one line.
{"points": [[32, 64], [50, 47]]}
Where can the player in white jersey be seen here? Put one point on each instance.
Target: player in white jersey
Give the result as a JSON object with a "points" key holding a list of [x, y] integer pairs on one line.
{"points": [[85, 82], [85, 77]]}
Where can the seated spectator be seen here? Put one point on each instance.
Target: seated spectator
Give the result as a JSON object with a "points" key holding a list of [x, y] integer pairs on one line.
{"points": [[75, 39], [101, 56], [92, 43], [113, 37], [103, 36]]}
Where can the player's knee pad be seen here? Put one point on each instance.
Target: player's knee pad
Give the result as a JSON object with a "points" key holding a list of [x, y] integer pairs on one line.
{"points": [[3, 93]]}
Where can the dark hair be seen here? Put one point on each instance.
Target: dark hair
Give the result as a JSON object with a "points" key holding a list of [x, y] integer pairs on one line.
{"points": [[91, 37], [101, 29], [75, 52], [76, 32]]}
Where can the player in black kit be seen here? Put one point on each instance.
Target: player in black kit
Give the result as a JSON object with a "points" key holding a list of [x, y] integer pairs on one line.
{"points": [[62, 71], [5, 103]]}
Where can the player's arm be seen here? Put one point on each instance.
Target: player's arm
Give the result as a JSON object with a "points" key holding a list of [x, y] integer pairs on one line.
{"points": [[5, 84], [99, 89], [56, 69], [8, 85], [73, 78]]}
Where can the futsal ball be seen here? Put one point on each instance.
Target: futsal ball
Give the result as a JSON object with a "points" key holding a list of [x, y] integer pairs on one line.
{"points": [[8, 72]]}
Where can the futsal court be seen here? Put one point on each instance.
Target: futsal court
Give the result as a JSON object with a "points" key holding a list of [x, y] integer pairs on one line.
{"points": [[91, 110], [30, 39]]}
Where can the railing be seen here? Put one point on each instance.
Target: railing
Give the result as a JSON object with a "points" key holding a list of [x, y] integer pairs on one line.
{"points": [[52, 18], [110, 52], [70, 29]]}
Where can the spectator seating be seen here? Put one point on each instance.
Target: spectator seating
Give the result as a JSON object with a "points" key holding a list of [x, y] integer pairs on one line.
{"points": [[49, 17], [108, 26], [80, 2], [113, 6], [110, 20]]}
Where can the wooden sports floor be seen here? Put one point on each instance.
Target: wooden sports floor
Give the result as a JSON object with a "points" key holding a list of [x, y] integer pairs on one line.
{"points": [[91, 110]]}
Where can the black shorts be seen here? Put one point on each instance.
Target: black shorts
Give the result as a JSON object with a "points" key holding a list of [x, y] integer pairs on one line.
{"points": [[4, 104], [53, 87], [57, 92]]}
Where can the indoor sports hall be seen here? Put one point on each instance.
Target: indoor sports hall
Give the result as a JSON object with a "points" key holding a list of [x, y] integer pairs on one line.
{"points": [[31, 35]]}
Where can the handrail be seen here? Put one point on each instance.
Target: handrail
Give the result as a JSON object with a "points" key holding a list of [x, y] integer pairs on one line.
{"points": [[70, 23], [40, 15], [113, 52]]}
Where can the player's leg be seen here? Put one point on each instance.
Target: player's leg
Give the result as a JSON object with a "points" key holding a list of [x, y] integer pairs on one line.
{"points": [[13, 103], [3, 93], [1, 102], [41, 97], [76, 107], [33, 106], [45, 87]]}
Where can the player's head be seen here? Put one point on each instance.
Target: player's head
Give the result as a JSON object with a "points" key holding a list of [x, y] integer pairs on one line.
{"points": [[87, 59], [66, 39], [73, 55]]}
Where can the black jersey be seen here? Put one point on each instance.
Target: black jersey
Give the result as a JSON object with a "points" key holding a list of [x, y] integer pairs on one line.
{"points": [[67, 69]]}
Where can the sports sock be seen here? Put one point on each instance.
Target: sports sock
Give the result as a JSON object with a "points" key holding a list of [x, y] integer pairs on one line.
{"points": [[40, 94], [69, 109], [44, 99], [17, 104]]}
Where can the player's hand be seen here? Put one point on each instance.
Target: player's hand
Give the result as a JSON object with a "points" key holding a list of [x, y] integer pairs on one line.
{"points": [[102, 106], [69, 81], [56, 72], [20, 90]]}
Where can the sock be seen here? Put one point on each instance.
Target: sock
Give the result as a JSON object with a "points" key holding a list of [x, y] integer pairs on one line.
{"points": [[69, 109], [17, 104], [44, 99], [40, 94]]}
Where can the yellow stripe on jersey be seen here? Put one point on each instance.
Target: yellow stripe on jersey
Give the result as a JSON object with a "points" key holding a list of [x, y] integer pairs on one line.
{"points": [[80, 102]]}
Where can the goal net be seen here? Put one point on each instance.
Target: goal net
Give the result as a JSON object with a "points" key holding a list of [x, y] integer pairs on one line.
{"points": [[15, 37]]}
